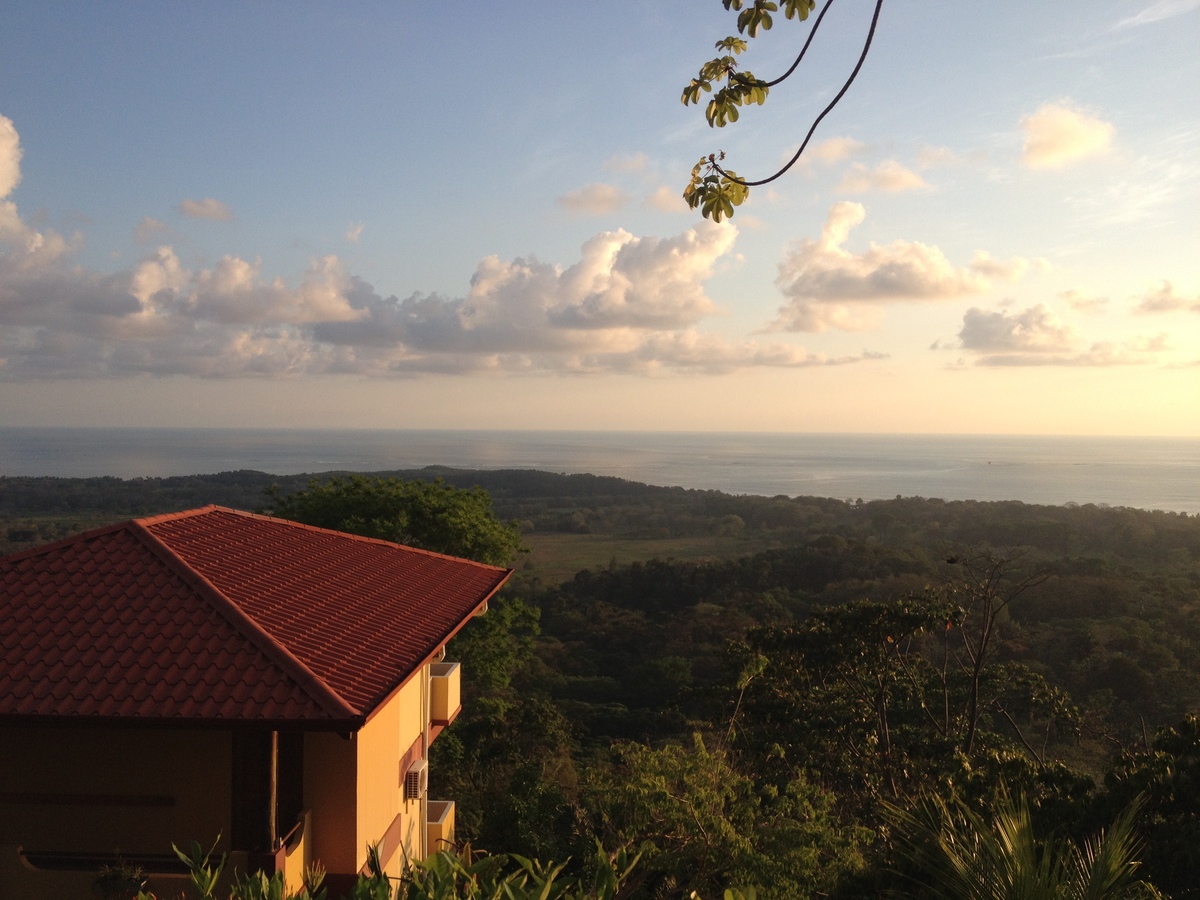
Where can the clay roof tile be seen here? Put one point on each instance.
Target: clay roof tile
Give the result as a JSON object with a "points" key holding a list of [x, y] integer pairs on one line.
{"points": [[221, 615]]}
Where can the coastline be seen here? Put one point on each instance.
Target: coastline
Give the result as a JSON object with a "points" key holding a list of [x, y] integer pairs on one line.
{"points": [[1149, 473]]}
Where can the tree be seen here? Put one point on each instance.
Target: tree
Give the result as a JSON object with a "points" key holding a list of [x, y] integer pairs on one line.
{"points": [[713, 188], [1166, 773], [702, 825], [431, 515], [902, 695]]}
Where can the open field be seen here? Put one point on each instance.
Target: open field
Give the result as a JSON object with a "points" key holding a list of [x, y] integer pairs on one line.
{"points": [[557, 557]]}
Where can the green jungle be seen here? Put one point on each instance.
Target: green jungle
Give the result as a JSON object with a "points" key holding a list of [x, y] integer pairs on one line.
{"points": [[748, 696]]}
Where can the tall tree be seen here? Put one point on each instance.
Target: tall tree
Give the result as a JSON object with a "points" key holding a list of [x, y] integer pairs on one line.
{"points": [[431, 515]]}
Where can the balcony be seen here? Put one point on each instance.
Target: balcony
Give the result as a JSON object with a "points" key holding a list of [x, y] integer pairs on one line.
{"points": [[439, 829], [444, 696]]}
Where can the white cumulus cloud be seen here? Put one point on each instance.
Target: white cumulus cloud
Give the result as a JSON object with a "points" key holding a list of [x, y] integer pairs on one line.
{"points": [[1036, 337], [30, 248], [1033, 330], [10, 157], [829, 286], [627, 303], [1058, 134]]}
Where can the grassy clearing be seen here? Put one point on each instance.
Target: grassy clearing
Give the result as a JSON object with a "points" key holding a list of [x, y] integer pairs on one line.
{"points": [[557, 557]]}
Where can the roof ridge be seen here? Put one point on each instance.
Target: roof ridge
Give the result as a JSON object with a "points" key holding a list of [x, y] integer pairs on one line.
{"points": [[172, 516], [312, 683]]}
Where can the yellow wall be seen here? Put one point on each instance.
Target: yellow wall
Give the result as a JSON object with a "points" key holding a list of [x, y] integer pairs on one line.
{"points": [[192, 768], [330, 791], [381, 744], [354, 786]]}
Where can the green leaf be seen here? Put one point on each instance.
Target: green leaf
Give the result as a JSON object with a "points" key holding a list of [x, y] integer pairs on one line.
{"points": [[734, 45], [798, 9]]}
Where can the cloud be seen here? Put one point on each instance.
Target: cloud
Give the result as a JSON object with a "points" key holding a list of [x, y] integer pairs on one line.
{"points": [[1165, 299], [1057, 135], [354, 232], [936, 157], [633, 162], [986, 265], [834, 150], [689, 351], [622, 285], [888, 176], [10, 157], [1081, 302], [628, 303], [1035, 337], [667, 199], [830, 287], [208, 208], [594, 200], [30, 248], [1157, 12], [149, 230], [1099, 355], [1034, 330]]}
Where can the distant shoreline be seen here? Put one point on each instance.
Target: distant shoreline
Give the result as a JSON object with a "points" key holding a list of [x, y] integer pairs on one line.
{"points": [[1143, 472]]}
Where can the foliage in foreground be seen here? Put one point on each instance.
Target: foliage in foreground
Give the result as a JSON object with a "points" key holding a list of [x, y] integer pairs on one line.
{"points": [[952, 852], [445, 875]]}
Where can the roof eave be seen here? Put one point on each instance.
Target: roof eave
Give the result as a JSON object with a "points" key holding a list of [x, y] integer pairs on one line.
{"points": [[441, 643], [341, 726]]}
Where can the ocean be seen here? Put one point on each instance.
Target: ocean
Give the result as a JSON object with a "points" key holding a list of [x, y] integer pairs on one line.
{"points": [[1149, 473]]}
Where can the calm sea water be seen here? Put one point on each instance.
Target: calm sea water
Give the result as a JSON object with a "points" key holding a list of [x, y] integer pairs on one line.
{"points": [[1151, 473]]}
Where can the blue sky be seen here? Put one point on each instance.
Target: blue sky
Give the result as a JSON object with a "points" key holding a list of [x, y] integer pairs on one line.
{"points": [[392, 215]]}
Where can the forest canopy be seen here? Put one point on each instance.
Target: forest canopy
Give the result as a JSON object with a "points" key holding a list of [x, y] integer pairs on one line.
{"points": [[744, 689]]}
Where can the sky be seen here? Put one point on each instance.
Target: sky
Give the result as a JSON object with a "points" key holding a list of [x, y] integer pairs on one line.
{"points": [[469, 216]]}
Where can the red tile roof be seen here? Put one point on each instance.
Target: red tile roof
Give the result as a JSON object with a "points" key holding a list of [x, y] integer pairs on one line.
{"points": [[215, 615]]}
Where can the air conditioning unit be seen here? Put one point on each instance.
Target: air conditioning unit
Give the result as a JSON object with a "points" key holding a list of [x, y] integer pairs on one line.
{"points": [[416, 780]]}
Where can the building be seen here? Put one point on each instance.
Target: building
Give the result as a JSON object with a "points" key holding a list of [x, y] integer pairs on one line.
{"points": [[213, 672]]}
